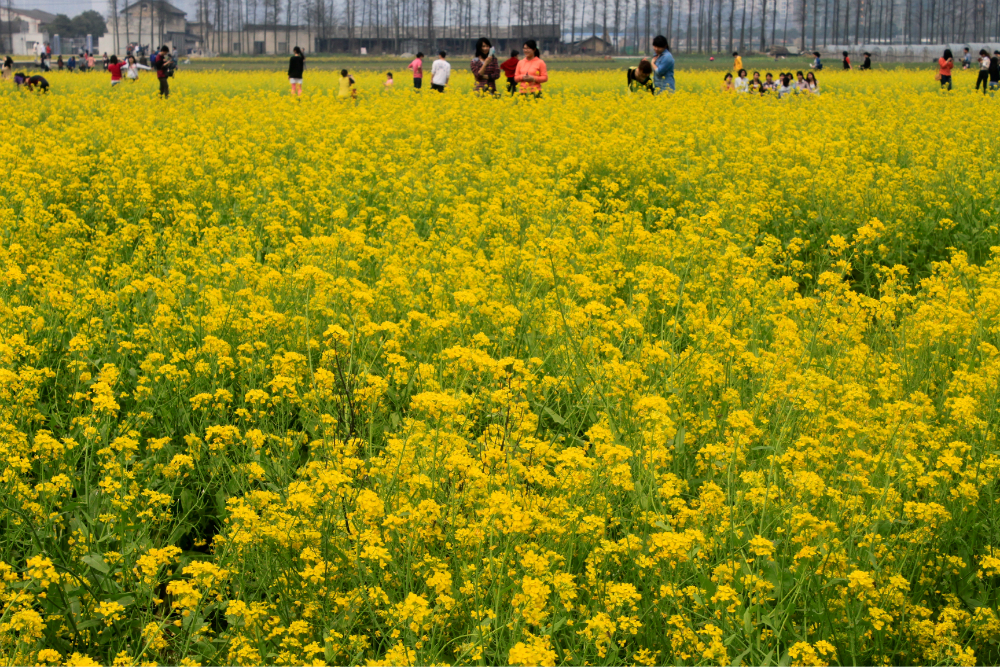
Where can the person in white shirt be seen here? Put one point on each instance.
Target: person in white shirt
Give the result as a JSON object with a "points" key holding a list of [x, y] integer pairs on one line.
{"points": [[984, 69], [741, 83], [440, 72]]}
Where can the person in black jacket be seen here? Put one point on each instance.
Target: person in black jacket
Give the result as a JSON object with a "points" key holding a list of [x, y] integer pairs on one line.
{"points": [[296, 64], [995, 71], [164, 68], [867, 64]]}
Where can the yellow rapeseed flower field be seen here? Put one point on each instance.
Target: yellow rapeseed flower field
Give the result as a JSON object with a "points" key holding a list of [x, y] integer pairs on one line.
{"points": [[595, 379]]}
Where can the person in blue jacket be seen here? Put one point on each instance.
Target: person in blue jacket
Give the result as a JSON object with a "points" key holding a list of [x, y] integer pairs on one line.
{"points": [[663, 65]]}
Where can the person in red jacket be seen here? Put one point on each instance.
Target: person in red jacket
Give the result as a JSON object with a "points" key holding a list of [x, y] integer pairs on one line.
{"points": [[509, 68], [115, 68]]}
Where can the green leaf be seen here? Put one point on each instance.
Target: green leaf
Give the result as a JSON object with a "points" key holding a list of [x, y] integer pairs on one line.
{"points": [[96, 562], [555, 417]]}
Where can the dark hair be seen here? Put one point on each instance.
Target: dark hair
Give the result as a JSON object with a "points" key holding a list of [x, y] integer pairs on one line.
{"points": [[984, 52], [947, 54], [343, 72], [442, 54], [389, 74], [770, 75], [645, 67], [164, 49], [742, 72], [799, 73], [479, 45], [513, 54], [756, 73], [661, 42], [966, 48], [735, 53], [533, 45], [729, 75], [845, 54], [816, 53], [868, 54], [810, 74], [113, 60], [420, 54], [297, 50]]}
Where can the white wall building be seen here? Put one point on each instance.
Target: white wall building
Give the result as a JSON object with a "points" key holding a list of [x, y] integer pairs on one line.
{"points": [[28, 34]]}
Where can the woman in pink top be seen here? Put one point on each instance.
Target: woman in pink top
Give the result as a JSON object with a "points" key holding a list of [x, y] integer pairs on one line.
{"points": [[945, 63], [418, 70], [531, 72]]}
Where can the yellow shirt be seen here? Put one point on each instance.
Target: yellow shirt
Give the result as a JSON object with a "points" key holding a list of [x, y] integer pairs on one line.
{"points": [[738, 63], [345, 87]]}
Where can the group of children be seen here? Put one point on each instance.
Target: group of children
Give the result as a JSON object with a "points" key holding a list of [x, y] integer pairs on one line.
{"points": [[784, 86]]}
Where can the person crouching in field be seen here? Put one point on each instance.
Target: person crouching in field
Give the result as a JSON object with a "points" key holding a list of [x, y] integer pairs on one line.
{"points": [[347, 88], [640, 78], [296, 65], [31, 82]]}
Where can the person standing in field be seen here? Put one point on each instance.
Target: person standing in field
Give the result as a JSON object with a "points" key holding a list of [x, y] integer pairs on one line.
{"points": [[847, 60], [90, 62], [163, 71], [296, 66], [8, 67], [663, 65], [485, 68], [115, 68], [817, 62], [509, 68], [417, 67], [995, 71], [531, 72], [966, 58], [984, 69], [347, 88], [132, 69], [867, 64], [737, 62], [945, 64], [440, 72]]}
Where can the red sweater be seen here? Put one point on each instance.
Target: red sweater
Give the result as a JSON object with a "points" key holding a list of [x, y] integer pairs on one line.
{"points": [[509, 67]]}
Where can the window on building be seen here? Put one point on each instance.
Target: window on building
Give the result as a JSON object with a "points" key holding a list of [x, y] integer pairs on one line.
{"points": [[282, 47], [258, 48], [236, 47]]}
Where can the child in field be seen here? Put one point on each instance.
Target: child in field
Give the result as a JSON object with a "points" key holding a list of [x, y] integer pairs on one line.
{"points": [[741, 83], [509, 68], [945, 64], [132, 69], [817, 63], [756, 85], [966, 58], [737, 62], [115, 68], [867, 64], [296, 67], [388, 80], [440, 72], [727, 83], [347, 88], [640, 77], [417, 67], [847, 60]]}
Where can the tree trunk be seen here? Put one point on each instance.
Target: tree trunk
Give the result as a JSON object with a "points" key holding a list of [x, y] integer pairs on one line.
{"points": [[743, 25], [763, 25]]}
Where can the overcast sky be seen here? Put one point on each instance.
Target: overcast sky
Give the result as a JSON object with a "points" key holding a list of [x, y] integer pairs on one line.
{"points": [[73, 7]]}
